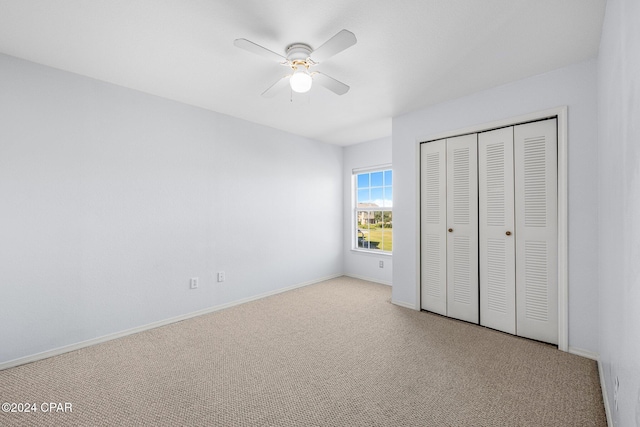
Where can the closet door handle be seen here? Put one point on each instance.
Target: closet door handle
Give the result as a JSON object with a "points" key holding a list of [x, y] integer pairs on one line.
{"points": [[451, 230], [508, 233]]}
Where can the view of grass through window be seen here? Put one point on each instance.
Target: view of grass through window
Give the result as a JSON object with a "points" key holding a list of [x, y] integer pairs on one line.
{"points": [[374, 216]]}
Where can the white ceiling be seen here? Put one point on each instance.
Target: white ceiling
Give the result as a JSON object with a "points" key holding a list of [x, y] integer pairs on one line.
{"points": [[410, 53]]}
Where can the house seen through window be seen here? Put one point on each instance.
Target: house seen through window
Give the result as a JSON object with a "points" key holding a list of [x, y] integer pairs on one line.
{"points": [[373, 210]]}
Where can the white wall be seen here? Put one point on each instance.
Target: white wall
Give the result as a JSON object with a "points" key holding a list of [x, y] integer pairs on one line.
{"points": [[619, 192], [112, 199], [357, 263], [574, 86]]}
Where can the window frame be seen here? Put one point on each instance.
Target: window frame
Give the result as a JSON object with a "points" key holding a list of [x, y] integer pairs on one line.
{"points": [[355, 211]]}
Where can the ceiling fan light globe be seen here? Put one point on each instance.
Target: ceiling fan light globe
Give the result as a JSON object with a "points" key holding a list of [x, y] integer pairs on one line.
{"points": [[300, 81]]}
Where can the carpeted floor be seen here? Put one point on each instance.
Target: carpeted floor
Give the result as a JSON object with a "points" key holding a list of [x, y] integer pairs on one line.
{"points": [[336, 353]]}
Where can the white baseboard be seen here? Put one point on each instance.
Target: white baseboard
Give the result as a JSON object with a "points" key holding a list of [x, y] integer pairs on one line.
{"points": [[368, 279], [584, 353], [109, 337], [404, 304], [605, 399]]}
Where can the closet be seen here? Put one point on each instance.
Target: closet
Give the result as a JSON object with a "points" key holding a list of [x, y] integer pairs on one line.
{"points": [[489, 229]]}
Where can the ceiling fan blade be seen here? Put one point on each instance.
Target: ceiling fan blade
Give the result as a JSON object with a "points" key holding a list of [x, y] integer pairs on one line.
{"points": [[334, 45], [276, 87], [330, 83], [259, 50]]}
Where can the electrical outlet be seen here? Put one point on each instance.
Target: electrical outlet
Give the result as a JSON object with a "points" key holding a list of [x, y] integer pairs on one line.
{"points": [[381, 264], [194, 283], [220, 276]]}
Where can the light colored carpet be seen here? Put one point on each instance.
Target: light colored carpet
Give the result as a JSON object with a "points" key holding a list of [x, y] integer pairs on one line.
{"points": [[337, 353]]}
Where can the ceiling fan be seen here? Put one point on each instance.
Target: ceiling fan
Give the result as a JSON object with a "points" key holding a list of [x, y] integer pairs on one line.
{"points": [[300, 58]]}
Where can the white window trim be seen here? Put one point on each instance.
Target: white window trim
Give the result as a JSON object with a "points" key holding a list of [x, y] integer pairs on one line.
{"points": [[354, 208]]}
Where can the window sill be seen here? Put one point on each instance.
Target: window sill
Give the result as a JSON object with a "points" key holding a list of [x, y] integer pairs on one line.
{"points": [[372, 252]]}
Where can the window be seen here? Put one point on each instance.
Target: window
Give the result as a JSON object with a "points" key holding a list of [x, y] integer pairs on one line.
{"points": [[373, 196]]}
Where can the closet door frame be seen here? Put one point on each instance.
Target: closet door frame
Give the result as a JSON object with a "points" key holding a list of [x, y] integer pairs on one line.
{"points": [[563, 202]]}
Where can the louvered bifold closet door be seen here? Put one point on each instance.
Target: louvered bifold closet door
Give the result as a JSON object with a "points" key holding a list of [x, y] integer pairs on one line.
{"points": [[536, 208], [433, 204], [496, 222], [462, 228]]}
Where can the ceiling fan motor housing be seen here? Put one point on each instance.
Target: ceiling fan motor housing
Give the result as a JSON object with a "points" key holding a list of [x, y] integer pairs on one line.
{"points": [[298, 52]]}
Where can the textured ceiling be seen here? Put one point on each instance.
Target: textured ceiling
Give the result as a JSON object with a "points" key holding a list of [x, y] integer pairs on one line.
{"points": [[410, 53]]}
